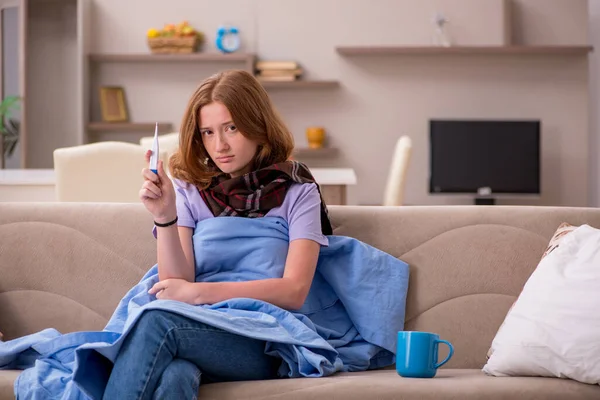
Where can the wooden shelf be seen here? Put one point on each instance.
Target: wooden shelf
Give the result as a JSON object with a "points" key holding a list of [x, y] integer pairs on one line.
{"points": [[463, 50], [163, 127], [306, 152], [300, 84], [193, 57]]}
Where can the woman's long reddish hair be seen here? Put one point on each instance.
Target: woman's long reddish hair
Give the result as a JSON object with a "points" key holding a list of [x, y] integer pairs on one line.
{"points": [[252, 113]]}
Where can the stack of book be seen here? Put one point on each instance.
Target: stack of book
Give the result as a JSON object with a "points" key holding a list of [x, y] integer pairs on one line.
{"points": [[278, 71]]}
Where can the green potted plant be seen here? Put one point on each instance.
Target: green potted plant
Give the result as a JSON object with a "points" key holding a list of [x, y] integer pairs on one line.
{"points": [[9, 128]]}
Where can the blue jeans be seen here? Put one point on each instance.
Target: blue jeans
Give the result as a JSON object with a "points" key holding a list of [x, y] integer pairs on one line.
{"points": [[167, 356]]}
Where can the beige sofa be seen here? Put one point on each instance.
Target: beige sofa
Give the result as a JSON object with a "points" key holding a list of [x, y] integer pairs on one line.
{"points": [[67, 265]]}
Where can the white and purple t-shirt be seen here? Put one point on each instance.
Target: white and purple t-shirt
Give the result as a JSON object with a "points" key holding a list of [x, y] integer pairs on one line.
{"points": [[301, 209]]}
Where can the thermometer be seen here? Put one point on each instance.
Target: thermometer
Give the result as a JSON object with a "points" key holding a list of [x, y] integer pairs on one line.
{"points": [[154, 156]]}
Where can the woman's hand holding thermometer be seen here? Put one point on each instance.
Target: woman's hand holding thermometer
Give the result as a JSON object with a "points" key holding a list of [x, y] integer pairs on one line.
{"points": [[157, 192]]}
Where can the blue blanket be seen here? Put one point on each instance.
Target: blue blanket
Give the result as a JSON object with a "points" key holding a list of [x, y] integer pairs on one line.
{"points": [[348, 323]]}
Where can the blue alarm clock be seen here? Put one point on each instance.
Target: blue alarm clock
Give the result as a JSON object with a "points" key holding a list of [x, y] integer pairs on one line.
{"points": [[228, 39]]}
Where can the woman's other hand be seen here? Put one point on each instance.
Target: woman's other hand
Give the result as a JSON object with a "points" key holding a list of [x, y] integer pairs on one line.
{"points": [[175, 289]]}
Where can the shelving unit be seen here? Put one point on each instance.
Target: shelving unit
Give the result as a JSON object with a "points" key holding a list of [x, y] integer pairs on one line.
{"points": [[246, 58], [323, 152], [163, 127], [193, 57], [300, 84], [463, 50]]}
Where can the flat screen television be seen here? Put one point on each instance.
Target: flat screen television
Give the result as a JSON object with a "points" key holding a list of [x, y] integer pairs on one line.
{"points": [[484, 157]]}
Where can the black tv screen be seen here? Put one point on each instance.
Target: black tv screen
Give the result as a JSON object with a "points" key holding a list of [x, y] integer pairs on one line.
{"points": [[466, 156]]}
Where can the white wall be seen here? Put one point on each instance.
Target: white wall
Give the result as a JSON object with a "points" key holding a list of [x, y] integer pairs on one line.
{"points": [[381, 97]]}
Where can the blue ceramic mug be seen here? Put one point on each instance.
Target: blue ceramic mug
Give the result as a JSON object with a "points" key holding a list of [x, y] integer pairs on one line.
{"points": [[417, 354]]}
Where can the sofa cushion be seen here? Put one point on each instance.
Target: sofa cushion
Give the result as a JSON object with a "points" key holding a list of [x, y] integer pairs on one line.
{"points": [[552, 329], [461, 384], [464, 384], [560, 233], [562, 230]]}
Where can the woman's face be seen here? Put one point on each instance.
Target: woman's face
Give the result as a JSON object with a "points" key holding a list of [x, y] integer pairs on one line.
{"points": [[231, 151]]}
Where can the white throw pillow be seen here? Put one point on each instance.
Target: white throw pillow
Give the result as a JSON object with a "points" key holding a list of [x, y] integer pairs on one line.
{"points": [[553, 329]]}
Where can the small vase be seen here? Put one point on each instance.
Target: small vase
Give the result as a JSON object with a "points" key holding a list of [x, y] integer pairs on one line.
{"points": [[315, 136], [441, 36]]}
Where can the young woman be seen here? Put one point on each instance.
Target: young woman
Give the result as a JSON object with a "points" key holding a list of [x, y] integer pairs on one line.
{"points": [[233, 160]]}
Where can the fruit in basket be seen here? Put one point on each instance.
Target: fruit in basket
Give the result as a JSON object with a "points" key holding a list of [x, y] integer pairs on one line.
{"points": [[152, 33], [182, 29], [167, 30], [174, 38]]}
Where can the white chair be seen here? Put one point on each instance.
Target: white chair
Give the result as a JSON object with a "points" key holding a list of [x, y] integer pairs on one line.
{"points": [[396, 182], [168, 142], [100, 172]]}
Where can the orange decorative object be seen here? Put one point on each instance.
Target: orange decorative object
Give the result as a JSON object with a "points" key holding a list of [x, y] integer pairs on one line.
{"points": [[315, 135]]}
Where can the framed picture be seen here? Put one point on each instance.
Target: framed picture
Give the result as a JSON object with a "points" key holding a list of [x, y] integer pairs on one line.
{"points": [[112, 104]]}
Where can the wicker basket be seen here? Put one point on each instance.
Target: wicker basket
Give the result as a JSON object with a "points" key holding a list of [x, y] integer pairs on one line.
{"points": [[167, 45]]}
